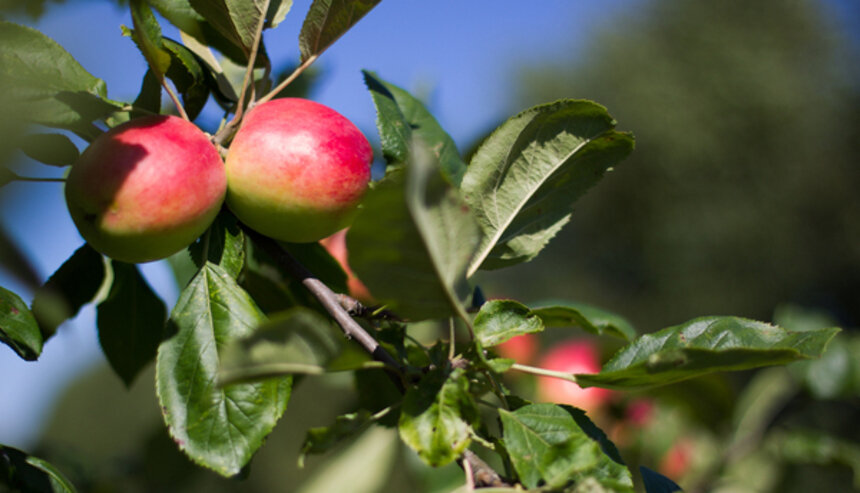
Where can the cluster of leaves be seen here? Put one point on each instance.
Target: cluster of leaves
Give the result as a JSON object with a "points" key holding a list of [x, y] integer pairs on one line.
{"points": [[245, 325]]}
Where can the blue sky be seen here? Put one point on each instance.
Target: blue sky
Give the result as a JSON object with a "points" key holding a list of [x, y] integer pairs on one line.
{"points": [[462, 54]]}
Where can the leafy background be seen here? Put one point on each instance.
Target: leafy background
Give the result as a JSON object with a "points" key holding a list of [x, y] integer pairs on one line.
{"points": [[739, 198]]}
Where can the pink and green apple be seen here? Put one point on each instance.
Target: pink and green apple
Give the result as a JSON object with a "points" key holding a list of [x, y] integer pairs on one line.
{"points": [[146, 189], [297, 170]]}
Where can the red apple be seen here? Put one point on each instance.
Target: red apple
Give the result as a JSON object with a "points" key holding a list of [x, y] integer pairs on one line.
{"points": [[296, 170], [336, 246], [146, 189], [572, 357]]}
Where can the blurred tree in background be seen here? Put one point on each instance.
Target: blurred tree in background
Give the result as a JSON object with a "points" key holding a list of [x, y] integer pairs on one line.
{"points": [[742, 192]]}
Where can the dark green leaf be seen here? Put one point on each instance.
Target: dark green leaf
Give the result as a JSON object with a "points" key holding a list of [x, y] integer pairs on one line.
{"points": [[588, 318], [147, 37], [52, 149], [6, 176], [523, 181], [500, 320], [45, 84], [705, 345], [399, 116], [20, 471], [322, 439], [18, 327], [149, 97], [223, 244], [595, 433], [188, 75], [297, 341], [219, 428], [317, 260], [327, 20], [72, 286], [437, 416], [130, 322], [412, 241], [655, 482], [547, 447]]}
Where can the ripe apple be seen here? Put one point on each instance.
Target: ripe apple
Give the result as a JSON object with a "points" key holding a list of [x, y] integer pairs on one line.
{"points": [[578, 356], [296, 170], [146, 189]]}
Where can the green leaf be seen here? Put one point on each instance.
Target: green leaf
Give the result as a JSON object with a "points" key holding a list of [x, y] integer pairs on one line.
{"points": [[18, 327], [181, 14], [412, 241], [147, 37], [278, 10], [297, 341], [218, 83], [591, 319], [188, 75], [317, 260], [20, 471], [236, 20], [223, 245], [149, 97], [45, 84], [399, 116], [130, 322], [217, 427], [523, 181], [547, 447], [72, 286], [705, 345], [437, 416], [52, 149], [500, 320], [322, 439], [328, 20]]}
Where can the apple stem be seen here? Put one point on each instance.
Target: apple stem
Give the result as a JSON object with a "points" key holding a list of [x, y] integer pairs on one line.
{"points": [[544, 372], [175, 99], [289, 80], [248, 81]]}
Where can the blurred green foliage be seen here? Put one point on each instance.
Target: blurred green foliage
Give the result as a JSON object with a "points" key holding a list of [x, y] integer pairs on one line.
{"points": [[742, 190]]}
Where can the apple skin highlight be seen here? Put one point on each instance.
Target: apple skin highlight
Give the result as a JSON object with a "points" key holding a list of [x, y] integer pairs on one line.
{"points": [[146, 189], [297, 170]]}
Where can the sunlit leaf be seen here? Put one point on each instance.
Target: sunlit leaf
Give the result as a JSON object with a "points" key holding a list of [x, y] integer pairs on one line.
{"points": [[399, 116], [147, 37], [237, 20], [705, 345], [588, 318], [523, 181], [217, 427], [327, 20], [547, 447], [223, 244], [130, 322], [500, 320], [437, 416]]}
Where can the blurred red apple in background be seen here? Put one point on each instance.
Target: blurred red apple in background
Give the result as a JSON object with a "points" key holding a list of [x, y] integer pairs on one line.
{"points": [[578, 356], [521, 348], [146, 189], [296, 170]]}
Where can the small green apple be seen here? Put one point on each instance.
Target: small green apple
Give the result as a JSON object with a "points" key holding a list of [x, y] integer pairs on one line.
{"points": [[296, 170], [146, 189]]}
